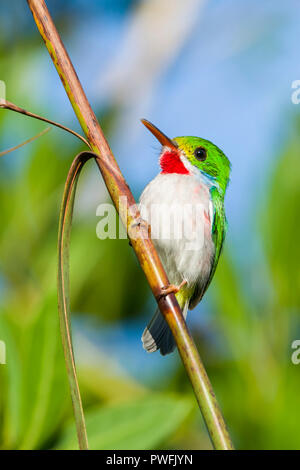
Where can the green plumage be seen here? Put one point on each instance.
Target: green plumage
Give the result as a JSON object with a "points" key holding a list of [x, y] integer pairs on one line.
{"points": [[216, 172], [194, 172]]}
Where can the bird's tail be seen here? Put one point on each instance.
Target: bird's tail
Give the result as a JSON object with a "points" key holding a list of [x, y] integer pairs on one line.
{"points": [[157, 335]]}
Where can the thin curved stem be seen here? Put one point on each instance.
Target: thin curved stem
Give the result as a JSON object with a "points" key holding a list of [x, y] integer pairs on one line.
{"points": [[12, 107], [64, 231], [5, 152]]}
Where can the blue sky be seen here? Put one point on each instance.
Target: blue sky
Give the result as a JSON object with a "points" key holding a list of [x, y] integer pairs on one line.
{"points": [[231, 83]]}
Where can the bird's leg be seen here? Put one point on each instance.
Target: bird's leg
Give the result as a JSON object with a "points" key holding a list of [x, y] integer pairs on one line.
{"points": [[171, 289]]}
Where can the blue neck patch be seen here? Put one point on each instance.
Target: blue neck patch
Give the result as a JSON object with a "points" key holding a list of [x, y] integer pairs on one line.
{"points": [[208, 180]]}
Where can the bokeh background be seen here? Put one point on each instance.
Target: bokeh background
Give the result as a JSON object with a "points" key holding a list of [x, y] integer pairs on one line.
{"points": [[222, 70]]}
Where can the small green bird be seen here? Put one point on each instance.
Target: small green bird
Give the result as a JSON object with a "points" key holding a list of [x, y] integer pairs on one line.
{"points": [[185, 201]]}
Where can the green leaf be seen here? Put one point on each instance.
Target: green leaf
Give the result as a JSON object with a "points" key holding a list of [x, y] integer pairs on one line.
{"points": [[44, 385], [138, 424], [64, 230]]}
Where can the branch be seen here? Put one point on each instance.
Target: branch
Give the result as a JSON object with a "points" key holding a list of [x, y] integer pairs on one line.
{"points": [[12, 107], [140, 242], [12, 149]]}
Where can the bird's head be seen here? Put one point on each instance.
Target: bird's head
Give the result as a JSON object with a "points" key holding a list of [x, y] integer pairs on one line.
{"points": [[194, 156]]}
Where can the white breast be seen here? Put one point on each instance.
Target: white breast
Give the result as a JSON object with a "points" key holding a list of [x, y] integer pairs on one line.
{"points": [[180, 212]]}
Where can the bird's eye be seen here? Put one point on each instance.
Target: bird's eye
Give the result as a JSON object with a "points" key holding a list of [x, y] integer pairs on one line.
{"points": [[200, 154]]}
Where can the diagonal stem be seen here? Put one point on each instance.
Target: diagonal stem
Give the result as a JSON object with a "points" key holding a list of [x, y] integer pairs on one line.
{"points": [[141, 244], [12, 149]]}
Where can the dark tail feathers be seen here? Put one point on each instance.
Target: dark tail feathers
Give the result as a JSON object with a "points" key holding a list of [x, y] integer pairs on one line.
{"points": [[157, 335]]}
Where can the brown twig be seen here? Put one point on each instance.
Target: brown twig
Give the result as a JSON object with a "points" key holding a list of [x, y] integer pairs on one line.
{"points": [[5, 152], [12, 107], [141, 244]]}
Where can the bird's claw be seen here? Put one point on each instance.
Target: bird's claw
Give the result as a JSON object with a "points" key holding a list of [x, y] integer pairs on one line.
{"points": [[171, 289], [142, 224]]}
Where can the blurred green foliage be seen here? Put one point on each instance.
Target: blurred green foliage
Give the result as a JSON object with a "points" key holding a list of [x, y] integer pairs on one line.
{"points": [[259, 324], [137, 424], [246, 348], [255, 379], [35, 403]]}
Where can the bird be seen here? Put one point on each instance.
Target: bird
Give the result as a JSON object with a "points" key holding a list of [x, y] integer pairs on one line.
{"points": [[184, 209]]}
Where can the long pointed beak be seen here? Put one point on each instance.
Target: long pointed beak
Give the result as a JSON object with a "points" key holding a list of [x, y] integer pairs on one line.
{"points": [[161, 137]]}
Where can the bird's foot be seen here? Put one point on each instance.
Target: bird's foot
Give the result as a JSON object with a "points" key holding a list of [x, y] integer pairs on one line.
{"points": [[142, 225], [171, 289]]}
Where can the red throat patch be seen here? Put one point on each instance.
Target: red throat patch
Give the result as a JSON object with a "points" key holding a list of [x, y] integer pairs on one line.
{"points": [[170, 162]]}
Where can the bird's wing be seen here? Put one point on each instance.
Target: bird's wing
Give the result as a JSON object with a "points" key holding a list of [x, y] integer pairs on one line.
{"points": [[219, 226]]}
